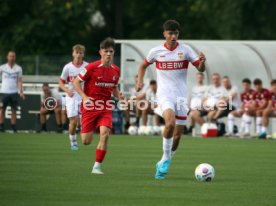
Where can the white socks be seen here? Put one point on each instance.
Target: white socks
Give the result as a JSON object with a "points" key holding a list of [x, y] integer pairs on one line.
{"points": [[258, 124], [73, 139], [230, 122], [247, 122], [97, 165], [167, 149], [263, 129]]}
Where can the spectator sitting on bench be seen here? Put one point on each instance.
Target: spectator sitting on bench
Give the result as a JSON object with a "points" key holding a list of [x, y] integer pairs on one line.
{"points": [[50, 104]]}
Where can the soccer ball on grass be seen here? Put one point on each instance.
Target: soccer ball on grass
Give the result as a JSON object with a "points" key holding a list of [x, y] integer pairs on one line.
{"points": [[204, 172]]}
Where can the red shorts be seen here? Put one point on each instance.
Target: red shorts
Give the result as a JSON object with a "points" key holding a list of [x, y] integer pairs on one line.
{"points": [[94, 119]]}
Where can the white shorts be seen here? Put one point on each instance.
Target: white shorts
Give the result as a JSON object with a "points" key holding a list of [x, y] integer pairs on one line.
{"points": [[179, 106], [72, 106]]}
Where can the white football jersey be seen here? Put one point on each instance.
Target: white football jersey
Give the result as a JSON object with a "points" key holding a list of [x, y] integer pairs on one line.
{"points": [[69, 73], [171, 68], [10, 78]]}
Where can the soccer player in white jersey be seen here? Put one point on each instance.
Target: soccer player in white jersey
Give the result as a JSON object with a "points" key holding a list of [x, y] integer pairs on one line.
{"points": [[10, 89], [73, 99], [171, 60], [233, 103], [197, 97]]}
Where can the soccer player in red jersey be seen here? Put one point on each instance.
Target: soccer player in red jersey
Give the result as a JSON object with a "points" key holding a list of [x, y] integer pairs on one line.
{"points": [[270, 110], [260, 99], [100, 82], [246, 104]]}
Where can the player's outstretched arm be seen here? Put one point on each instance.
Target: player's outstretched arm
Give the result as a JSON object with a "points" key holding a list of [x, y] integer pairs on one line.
{"points": [[201, 65], [141, 73], [77, 87]]}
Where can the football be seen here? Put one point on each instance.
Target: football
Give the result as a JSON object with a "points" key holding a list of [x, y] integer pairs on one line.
{"points": [[204, 172], [132, 130]]}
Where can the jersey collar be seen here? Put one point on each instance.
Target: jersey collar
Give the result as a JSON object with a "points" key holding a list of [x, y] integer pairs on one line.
{"points": [[171, 49]]}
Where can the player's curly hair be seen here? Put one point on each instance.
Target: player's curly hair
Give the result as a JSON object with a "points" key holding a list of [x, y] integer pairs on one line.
{"points": [[171, 25], [107, 43]]}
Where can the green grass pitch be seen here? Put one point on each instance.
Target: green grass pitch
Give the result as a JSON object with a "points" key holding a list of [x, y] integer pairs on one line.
{"points": [[40, 169]]}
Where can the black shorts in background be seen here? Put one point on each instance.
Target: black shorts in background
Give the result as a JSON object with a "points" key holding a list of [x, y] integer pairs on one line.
{"points": [[9, 99]]}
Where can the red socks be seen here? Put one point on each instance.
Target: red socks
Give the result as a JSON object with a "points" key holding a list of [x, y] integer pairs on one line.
{"points": [[100, 154]]}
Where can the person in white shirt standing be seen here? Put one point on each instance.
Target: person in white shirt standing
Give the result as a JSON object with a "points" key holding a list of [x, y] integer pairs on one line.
{"points": [[73, 99], [172, 60], [10, 90]]}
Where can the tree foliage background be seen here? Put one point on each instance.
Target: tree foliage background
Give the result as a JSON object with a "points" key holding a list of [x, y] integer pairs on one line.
{"points": [[53, 26]]}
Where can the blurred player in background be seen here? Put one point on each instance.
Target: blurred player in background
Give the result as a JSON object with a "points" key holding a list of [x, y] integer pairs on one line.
{"points": [[11, 88], [151, 99], [134, 100], [196, 110], [100, 82], [215, 96], [171, 59], [51, 102], [233, 105], [73, 99], [258, 103], [261, 97], [270, 110], [246, 104]]}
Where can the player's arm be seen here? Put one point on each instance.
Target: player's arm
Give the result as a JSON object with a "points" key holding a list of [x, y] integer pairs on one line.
{"points": [[116, 92], [20, 87], [64, 88], [141, 73], [77, 86], [201, 65]]}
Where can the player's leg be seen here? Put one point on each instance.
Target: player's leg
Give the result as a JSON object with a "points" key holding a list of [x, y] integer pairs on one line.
{"points": [[13, 98], [72, 110], [247, 119], [178, 130], [197, 116], [2, 118], [101, 149], [42, 115], [259, 114], [104, 122], [265, 121], [231, 121], [57, 111], [163, 165], [86, 138], [211, 116], [3, 106]]}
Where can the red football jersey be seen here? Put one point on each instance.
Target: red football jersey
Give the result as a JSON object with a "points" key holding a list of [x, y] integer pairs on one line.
{"points": [[247, 97], [99, 81], [273, 99], [261, 96]]}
